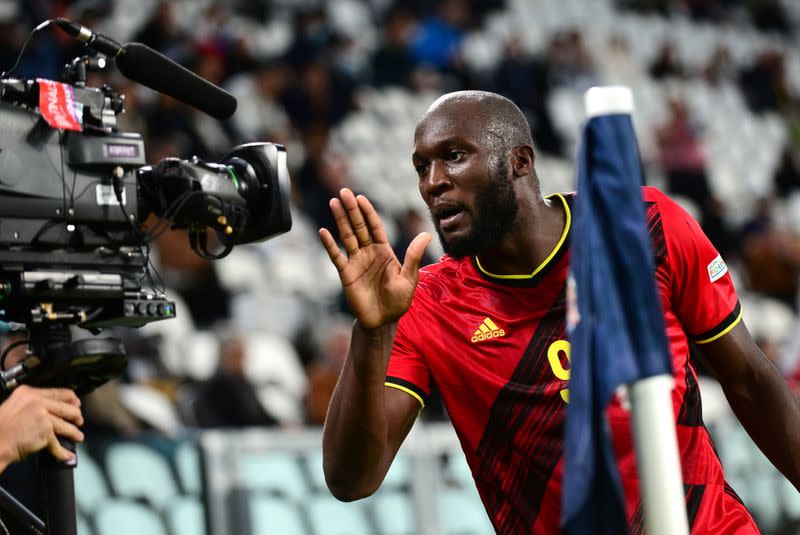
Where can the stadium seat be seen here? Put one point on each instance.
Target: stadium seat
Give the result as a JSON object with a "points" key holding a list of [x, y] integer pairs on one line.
{"points": [[91, 489], [457, 471], [462, 513], [185, 516], [121, 517], [138, 471], [394, 513], [329, 516], [83, 525], [273, 472], [187, 465], [272, 515], [397, 478]]}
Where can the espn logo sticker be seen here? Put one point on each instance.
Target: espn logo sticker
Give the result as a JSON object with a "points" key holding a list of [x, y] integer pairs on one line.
{"points": [[716, 269]]}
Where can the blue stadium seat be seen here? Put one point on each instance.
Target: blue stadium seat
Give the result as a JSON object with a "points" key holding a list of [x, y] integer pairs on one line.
{"points": [[462, 513], [83, 525], [394, 513], [138, 471], [121, 517], [91, 489], [187, 465], [398, 476], [185, 516], [329, 516], [272, 515], [273, 472]]}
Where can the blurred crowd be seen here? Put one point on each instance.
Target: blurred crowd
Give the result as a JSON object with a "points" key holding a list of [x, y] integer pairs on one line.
{"points": [[299, 69]]}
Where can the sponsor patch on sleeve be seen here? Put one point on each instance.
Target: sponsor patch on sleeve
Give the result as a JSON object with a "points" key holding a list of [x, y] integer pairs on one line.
{"points": [[717, 268]]}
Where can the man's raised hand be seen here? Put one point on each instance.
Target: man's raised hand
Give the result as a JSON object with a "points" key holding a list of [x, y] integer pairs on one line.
{"points": [[377, 287]]}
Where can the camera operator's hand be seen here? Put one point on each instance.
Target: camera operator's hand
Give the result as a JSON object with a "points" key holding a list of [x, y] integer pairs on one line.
{"points": [[31, 419]]}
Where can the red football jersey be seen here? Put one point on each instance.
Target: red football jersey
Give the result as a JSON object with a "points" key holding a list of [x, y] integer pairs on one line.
{"points": [[496, 347]]}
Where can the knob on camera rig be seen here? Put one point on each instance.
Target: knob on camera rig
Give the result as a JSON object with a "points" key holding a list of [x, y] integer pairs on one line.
{"points": [[74, 195]]}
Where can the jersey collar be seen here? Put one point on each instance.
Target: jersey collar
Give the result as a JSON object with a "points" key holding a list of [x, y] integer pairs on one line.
{"points": [[530, 279]]}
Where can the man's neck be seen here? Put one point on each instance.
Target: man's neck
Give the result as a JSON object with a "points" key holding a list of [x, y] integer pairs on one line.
{"points": [[531, 240]]}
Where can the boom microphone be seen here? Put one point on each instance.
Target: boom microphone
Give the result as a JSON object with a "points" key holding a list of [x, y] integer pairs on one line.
{"points": [[144, 65]]}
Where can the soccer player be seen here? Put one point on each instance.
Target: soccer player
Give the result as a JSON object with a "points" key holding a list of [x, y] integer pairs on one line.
{"points": [[486, 324]]}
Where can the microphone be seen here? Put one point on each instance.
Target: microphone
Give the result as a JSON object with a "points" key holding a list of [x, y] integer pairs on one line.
{"points": [[144, 65], [95, 41]]}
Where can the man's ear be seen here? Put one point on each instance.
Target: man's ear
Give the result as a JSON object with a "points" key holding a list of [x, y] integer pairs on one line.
{"points": [[522, 160]]}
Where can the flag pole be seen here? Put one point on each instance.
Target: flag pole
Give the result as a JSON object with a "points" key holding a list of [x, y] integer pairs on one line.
{"points": [[653, 418]]}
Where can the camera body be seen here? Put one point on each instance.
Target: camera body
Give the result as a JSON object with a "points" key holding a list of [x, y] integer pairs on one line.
{"points": [[74, 195]]}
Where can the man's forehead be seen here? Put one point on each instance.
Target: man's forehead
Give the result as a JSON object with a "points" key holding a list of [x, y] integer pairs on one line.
{"points": [[447, 121]]}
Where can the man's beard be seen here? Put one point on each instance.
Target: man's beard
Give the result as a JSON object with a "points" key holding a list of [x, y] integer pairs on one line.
{"points": [[494, 214]]}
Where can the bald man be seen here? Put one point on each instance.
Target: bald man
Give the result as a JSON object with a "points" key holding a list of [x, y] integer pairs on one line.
{"points": [[487, 325]]}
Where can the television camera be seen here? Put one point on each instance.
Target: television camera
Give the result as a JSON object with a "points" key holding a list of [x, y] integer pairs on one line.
{"points": [[74, 195]]}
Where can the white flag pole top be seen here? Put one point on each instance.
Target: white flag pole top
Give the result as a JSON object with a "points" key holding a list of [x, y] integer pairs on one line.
{"points": [[608, 100], [653, 417]]}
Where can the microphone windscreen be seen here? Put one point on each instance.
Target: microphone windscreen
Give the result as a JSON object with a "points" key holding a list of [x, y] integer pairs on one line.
{"points": [[144, 65]]}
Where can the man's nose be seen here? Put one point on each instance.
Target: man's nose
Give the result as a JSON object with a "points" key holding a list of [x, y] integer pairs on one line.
{"points": [[438, 180]]}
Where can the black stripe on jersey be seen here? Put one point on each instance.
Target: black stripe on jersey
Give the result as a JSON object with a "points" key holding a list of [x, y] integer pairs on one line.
{"points": [[410, 386], [732, 493], [658, 245], [691, 412], [724, 324], [523, 439], [694, 496]]}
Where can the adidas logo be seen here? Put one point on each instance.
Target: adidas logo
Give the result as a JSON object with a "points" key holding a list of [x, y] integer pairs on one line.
{"points": [[487, 331]]}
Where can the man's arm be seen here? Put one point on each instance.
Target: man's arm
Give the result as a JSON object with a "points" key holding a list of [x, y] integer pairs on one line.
{"points": [[31, 419], [366, 421], [758, 396]]}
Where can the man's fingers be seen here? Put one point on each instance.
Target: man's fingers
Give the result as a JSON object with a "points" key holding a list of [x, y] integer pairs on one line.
{"points": [[57, 394], [357, 222], [414, 255], [65, 429], [58, 451], [374, 223], [346, 233], [334, 253], [65, 411]]}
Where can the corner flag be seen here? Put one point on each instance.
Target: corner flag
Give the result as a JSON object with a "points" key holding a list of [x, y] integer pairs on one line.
{"points": [[617, 329]]}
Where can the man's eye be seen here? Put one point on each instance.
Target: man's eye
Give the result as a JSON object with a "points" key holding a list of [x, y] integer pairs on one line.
{"points": [[455, 155], [421, 168]]}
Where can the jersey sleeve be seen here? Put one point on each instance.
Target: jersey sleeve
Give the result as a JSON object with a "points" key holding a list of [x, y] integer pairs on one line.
{"points": [[702, 292], [407, 369]]}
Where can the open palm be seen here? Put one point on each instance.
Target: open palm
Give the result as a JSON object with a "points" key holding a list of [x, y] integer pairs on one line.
{"points": [[377, 287]]}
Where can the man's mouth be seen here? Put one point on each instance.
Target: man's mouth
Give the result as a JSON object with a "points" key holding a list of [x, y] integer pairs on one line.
{"points": [[449, 216]]}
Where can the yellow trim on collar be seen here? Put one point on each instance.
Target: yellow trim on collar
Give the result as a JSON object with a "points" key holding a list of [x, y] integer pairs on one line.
{"points": [[547, 260]]}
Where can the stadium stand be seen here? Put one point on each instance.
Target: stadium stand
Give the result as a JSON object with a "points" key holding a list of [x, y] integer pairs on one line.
{"points": [[735, 67]]}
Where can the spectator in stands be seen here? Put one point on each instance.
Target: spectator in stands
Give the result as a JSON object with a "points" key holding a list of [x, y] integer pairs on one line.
{"points": [[787, 175], [324, 370], [392, 63], [438, 37], [667, 64], [525, 79], [161, 32], [259, 115], [771, 256], [765, 84], [228, 399], [571, 64], [681, 155], [320, 94]]}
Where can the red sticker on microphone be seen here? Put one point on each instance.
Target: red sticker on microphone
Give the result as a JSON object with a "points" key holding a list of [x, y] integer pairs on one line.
{"points": [[58, 107]]}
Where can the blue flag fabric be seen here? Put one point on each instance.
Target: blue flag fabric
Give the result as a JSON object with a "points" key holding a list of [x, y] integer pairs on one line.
{"points": [[618, 335]]}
